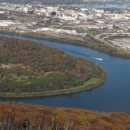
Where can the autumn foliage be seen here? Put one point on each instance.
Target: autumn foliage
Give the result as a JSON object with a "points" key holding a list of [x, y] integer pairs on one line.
{"points": [[26, 66], [17, 116]]}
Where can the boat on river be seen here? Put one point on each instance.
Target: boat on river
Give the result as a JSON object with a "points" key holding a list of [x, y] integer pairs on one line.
{"points": [[97, 58]]}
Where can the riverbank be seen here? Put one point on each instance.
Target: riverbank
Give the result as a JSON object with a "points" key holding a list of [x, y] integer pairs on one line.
{"points": [[87, 41], [90, 84]]}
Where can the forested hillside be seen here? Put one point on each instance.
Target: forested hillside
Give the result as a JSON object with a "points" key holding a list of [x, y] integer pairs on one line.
{"points": [[26, 66], [35, 117], [48, 2]]}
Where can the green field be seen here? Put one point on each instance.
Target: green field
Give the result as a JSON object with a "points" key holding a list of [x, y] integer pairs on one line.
{"points": [[90, 84]]}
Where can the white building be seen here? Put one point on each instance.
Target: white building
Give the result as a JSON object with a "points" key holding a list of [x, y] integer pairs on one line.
{"points": [[25, 9]]}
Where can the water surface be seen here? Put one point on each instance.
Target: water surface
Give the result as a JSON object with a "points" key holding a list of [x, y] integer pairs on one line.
{"points": [[113, 95]]}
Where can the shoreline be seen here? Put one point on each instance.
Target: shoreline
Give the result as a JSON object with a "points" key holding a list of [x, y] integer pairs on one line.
{"points": [[85, 87], [88, 41]]}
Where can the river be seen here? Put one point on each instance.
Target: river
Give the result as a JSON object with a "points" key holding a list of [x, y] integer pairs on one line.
{"points": [[113, 95], [106, 6]]}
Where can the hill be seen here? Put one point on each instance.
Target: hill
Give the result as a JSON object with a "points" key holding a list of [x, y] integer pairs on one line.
{"points": [[28, 67], [34, 117], [46, 2]]}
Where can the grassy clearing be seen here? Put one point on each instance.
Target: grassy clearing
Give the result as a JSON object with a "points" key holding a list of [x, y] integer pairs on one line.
{"points": [[91, 81], [90, 84]]}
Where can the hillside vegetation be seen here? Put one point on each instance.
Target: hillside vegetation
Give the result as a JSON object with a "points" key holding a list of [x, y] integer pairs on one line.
{"points": [[27, 67], [34, 117]]}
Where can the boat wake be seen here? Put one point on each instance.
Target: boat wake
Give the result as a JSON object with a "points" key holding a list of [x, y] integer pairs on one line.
{"points": [[82, 54], [97, 58]]}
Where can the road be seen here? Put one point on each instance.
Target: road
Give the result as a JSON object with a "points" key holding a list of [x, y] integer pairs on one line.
{"points": [[122, 45]]}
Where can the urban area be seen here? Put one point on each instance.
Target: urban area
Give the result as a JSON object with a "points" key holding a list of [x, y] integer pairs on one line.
{"points": [[108, 25]]}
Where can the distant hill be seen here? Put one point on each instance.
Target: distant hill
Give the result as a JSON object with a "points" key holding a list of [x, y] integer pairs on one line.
{"points": [[48, 2], [34, 117]]}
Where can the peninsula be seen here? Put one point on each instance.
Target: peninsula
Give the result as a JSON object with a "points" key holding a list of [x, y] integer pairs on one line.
{"points": [[31, 69]]}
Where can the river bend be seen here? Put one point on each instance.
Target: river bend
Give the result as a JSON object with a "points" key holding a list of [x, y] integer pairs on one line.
{"points": [[113, 95]]}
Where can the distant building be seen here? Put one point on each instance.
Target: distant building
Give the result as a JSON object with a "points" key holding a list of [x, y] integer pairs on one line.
{"points": [[25, 9]]}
